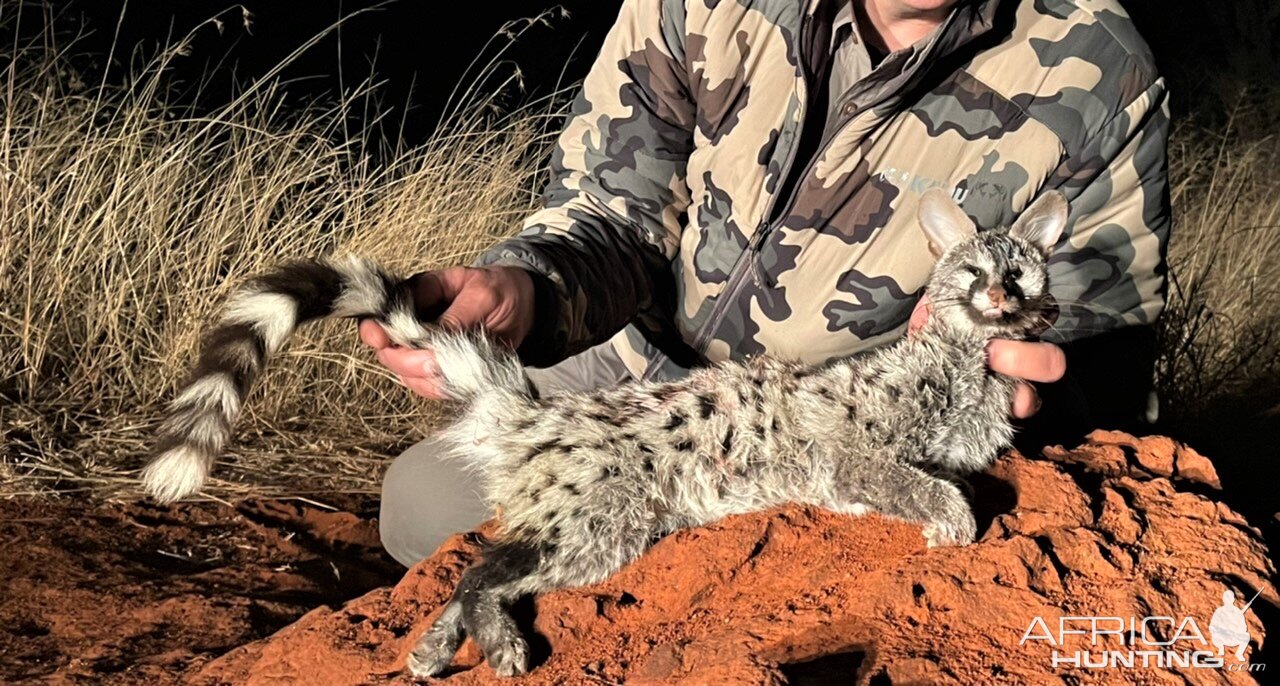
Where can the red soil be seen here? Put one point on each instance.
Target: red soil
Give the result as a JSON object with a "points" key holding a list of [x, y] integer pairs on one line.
{"points": [[110, 593], [1119, 527]]}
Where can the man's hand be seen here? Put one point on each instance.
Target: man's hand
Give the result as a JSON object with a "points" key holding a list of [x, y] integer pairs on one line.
{"points": [[1026, 360], [498, 298]]}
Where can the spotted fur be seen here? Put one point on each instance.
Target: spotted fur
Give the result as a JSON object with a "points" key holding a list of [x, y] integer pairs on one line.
{"points": [[585, 482]]}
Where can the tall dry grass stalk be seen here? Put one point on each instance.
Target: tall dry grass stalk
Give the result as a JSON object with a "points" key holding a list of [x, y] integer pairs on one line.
{"points": [[125, 220], [1220, 336]]}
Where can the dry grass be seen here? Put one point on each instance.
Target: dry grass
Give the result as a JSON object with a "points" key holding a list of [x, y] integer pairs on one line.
{"points": [[125, 219], [1220, 337]]}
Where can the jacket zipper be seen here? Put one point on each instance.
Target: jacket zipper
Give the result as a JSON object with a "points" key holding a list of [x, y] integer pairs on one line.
{"points": [[748, 261]]}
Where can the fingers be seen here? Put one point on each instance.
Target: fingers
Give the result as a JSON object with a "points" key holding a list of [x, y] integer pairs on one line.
{"points": [[447, 290], [1029, 360], [373, 335], [1026, 401], [442, 284], [423, 387], [415, 369], [409, 363], [919, 315]]}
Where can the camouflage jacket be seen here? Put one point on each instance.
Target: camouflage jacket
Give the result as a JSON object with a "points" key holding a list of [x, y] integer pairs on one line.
{"points": [[682, 221]]}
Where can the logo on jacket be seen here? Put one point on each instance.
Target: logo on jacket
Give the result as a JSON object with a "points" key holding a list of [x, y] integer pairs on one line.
{"points": [[911, 182]]}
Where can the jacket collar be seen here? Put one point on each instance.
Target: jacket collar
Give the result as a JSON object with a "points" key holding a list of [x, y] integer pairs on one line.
{"points": [[902, 71], [969, 20]]}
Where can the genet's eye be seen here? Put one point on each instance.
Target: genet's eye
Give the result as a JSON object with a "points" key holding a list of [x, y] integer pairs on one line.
{"points": [[1014, 274], [973, 271]]}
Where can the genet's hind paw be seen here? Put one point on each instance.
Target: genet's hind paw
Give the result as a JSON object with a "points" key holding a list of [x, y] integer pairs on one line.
{"points": [[429, 659], [435, 650], [950, 521], [936, 535], [510, 658]]}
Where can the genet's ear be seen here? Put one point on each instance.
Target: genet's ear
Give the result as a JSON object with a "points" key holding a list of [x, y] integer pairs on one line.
{"points": [[1043, 222], [944, 223]]}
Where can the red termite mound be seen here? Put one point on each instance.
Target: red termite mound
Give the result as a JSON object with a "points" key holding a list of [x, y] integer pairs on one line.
{"points": [[1119, 527]]}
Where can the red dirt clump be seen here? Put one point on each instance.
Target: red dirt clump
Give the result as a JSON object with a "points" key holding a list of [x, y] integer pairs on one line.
{"points": [[130, 593], [1119, 527]]}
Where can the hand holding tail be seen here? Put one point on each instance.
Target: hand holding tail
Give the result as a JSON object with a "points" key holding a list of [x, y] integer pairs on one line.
{"points": [[263, 314], [496, 299]]}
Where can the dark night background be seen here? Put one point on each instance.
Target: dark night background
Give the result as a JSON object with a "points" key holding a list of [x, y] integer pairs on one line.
{"points": [[419, 50]]}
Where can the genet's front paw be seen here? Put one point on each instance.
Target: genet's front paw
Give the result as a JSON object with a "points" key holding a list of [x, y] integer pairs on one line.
{"points": [[952, 521], [957, 528]]}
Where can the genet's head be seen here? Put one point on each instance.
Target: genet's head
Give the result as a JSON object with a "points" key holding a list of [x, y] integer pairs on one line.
{"points": [[995, 281]]}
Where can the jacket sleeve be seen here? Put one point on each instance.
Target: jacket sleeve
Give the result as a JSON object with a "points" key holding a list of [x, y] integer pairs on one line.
{"points": [[616, 202], [1109, 274]]}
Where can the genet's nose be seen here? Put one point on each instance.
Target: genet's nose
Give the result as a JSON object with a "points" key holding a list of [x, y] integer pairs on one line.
{"points": [[996, 295]]}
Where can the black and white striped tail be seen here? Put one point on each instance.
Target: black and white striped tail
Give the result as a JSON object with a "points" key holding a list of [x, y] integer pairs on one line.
{"points": [[261, 317], [256, 322]]}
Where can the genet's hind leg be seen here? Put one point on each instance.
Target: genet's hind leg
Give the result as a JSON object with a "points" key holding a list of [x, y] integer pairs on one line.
{"points": [[593, 548], [436, 648], [478, 606], [905, 492], [486, 595], [485, 612]]}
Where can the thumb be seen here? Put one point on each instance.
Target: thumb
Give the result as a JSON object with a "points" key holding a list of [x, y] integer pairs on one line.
{"points": [[469, 310], [919, 315], [434, 291]]}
